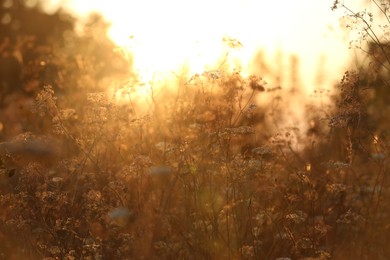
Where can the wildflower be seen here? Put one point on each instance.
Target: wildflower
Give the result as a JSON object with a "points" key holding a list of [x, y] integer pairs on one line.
{"points": [[212, 74], [263, 151], [335, 5], [297, 217], [247, 252], [256, 84], [232, 43]]}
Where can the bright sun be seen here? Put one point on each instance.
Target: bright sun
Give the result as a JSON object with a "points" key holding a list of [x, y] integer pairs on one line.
{"points": [[166, 35], [174, 37]]}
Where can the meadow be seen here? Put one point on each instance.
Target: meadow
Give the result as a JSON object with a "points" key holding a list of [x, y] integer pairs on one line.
{"points": [[202, 171]]}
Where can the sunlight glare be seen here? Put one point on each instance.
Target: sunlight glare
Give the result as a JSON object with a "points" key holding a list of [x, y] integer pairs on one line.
{"points": [[165, 36]]}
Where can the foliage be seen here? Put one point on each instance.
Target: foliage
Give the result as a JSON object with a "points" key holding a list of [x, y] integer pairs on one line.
{"points": [[198, 174]]}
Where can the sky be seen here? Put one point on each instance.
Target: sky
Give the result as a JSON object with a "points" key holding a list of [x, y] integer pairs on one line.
{"points": [[302, 44], [164, 35]]}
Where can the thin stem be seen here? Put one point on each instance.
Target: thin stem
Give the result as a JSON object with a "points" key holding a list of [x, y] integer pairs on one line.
{"points": [[370, 32]]}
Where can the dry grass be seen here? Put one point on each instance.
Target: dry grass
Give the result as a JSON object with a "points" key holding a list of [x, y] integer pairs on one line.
{"points": [[203, 174]]}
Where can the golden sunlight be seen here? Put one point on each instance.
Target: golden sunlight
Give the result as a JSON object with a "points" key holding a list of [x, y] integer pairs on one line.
{"points": [[194, 129], [173, 37]]}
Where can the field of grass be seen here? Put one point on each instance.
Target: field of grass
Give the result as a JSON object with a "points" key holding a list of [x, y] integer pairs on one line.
{"points": [[203, 172]]}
